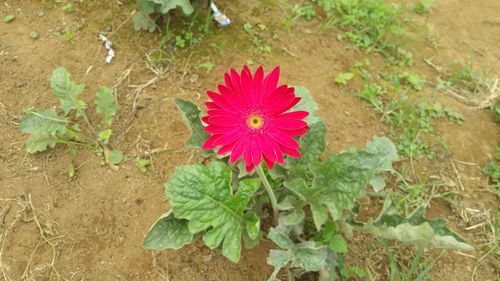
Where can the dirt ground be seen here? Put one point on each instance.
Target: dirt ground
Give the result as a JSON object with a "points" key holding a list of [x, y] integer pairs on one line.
{"points": [[92, 227]]}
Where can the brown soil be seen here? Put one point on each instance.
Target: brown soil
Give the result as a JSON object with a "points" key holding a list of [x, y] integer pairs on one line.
{"points": [[97, 221]]}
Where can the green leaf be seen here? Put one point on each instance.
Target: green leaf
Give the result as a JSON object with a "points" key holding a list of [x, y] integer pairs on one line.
{"points": [[293, 218], [344, 77], [378, 183], [253, 225], [167, 5], [203, 195], [191, 114], [307, 104], [44, 127], [115, 156], [309, 257], [341, 179], [105, 104], [105, 135], [312, 145], [8, 18], [146, 6], [417, 230], [168, 232], [40, 142], [43, 121], [67, 91], [304, 255], [385, 150], [143, 22], [142, 164], [338, 244], [280, 238]]}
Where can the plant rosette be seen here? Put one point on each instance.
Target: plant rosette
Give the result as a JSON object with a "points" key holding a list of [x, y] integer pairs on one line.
{"points": [[310, 199]]}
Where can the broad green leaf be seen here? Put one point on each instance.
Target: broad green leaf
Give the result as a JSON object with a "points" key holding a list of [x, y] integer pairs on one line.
{"points": [[44, 127], [338, 244], [39, 142], [167, 5], [378, 183], [280, 238], [385, 150], [115, 156], [168, 232], [304, 255], [293, 218], [67, 91], [340, 180], [191, 114], [417, 230], [307, 104], [253, 225], [105, 105], [142, 164], [142, 21], [309, 257], [203, 195], [312, 145], [43, 121], [146, 6]]}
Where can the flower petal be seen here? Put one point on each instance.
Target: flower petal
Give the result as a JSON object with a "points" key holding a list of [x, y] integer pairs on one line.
{"points": [[293, 115], [225, 121], [284, 139], [269, 163], [271, 81], [292, 152], [209, 143], [237, 150], [256, 152], [288, 124]]}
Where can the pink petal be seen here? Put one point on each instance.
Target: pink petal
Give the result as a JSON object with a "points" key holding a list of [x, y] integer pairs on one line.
{"points": [[225, 121], [271, 81], [228, 138], [236, 81], [212, 105], [218, 130], [294, 102], [237, 150], [277, 150], [292, 152], [205, 119], [269, 163], [298, 133], [256, 152], [293, 115], [249, 168], [209, 143], [227, 80], [230, 96], [288, 124], [284, 139], [267, 148], [247, 154], [221, 101], [225, 149]]}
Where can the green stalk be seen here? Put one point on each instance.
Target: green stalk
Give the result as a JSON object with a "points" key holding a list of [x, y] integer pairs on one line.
{"points": [[270, 193]]}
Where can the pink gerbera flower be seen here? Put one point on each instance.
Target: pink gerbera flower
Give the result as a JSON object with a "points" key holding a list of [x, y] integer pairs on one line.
{"points": [[249, 118]]}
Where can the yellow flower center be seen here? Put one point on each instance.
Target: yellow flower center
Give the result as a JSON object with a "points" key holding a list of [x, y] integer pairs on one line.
{"points": [[255, 121]]}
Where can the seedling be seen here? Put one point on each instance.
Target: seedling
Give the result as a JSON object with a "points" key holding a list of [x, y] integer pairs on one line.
{"points": [[62, 125]]}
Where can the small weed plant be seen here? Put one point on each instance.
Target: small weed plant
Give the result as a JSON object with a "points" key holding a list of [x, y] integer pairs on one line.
{"points": [[48, 127], [303, 199]]}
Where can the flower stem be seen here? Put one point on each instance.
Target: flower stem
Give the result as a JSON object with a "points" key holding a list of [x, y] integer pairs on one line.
{"points": [[270, 192]]}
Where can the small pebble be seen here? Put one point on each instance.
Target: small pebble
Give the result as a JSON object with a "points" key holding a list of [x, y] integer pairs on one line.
{"points": [[40, 13]]}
